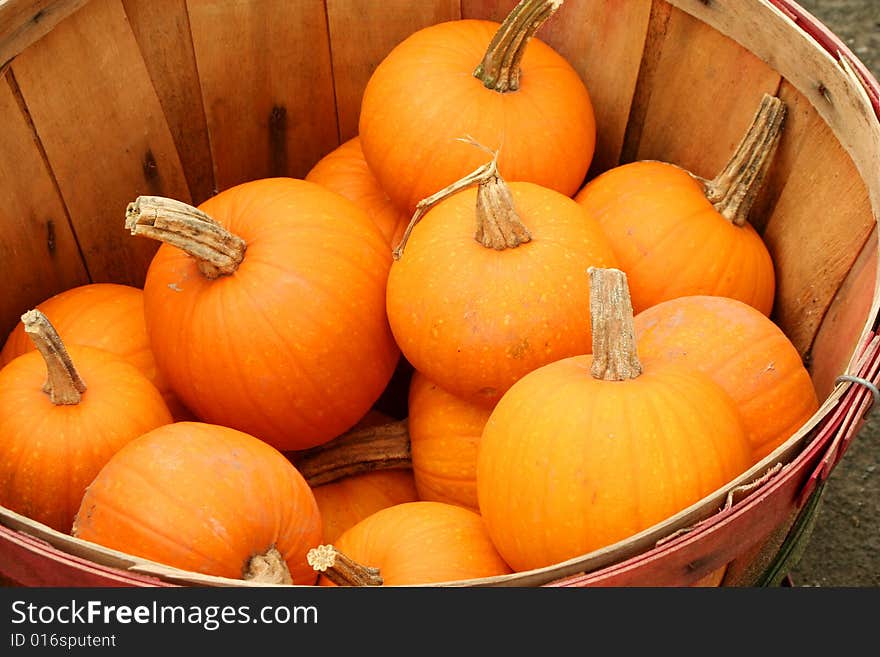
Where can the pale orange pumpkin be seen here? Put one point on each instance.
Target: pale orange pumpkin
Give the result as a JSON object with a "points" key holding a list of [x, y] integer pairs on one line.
{"points": [[414, 543], [495, 83], [266, 308], [107, 316], [207, 499], [590, 450], [475, 312], [743, 351], [444, 435], [64, 412], [675, 234], [344, 171]]}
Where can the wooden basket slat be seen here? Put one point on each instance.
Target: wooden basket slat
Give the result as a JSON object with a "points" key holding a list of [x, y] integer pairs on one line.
{"points": [[38, 252], [362, 32], [267, 84], [25, 21], [161, 28], [101, 125], [702, 93]]}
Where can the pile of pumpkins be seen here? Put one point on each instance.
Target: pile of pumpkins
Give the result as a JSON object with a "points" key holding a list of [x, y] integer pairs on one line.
{"points": [[584, 358]]}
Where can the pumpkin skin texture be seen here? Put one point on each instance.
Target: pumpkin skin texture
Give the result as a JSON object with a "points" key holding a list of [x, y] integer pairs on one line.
{"points": [[444, 433], [50, 453], [346, 502], [423, 97], [222, 496], [294, 346], [672, 242], [744, 352], [569, 464], [475, 319], [422, 542], [344, 171], [107, 316]]}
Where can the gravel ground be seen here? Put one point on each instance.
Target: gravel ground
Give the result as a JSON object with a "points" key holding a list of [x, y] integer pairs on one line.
{"points": [[844, 547]]}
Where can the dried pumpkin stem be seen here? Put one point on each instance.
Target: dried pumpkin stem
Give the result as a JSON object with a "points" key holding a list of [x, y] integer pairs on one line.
{"points": [[179, 224], [267, 568], [63, 383], [382, 447], [615, 357], [341, 569], [500, 68], [733, 191], [498, 224]]}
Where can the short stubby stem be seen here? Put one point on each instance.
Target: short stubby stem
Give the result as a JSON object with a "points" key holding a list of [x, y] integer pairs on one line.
{"points": [[615, 357], [267, 568], [63, 383], [341, 569]]}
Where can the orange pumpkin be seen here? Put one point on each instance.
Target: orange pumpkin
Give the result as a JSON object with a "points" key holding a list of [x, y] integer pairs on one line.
{"points": [[475, 78], [107, 316], [675, 234], [476, 313], [743, 351], [57, 431], [414, 543], [444, 434], [344, 170], [592, 449], [207, 499], [266, 308]]}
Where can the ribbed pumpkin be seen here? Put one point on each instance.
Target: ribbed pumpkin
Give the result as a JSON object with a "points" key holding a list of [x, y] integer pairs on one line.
{"points": [[107, 316], [675, 234], [64, 412], [344, 170], [743, 351], [481, 79], [592, 449], [266, 308], [207, 499], [489, 284], [415, 543], [444, 434]]}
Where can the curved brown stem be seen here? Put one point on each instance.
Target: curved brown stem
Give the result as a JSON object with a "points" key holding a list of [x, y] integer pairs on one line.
{"points": [[341, 569], [733, 191], [382, 447], [615, 357], [63, 383], [500, 68], [179, 224]]}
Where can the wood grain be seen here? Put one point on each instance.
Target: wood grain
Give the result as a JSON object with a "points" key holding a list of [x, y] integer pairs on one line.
{"points": [[24, 21], [161, 28], [101, 124], [362, 32], [38, 251], [267, 84]]}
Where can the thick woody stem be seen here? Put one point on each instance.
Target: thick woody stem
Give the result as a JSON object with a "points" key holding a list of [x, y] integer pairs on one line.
{"points": [[615, 357], [63, 383], [341, 569], [498, 224], [733, 191], [267, 568], [382, 447], [217, 251], [500, 68]]}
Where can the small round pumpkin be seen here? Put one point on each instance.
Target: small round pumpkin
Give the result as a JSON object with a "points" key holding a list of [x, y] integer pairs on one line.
{"points": [[675, 234], [265, 307], [414, 543], [107, 316], [472, 78], [743, 351], [344, 171], [207, 499], [444, 435], [475, 311], [64, 412], [589, 450]]}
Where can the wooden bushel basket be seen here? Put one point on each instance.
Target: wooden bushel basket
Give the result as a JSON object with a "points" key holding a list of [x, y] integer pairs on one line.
{"points": [[105, 100]]}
